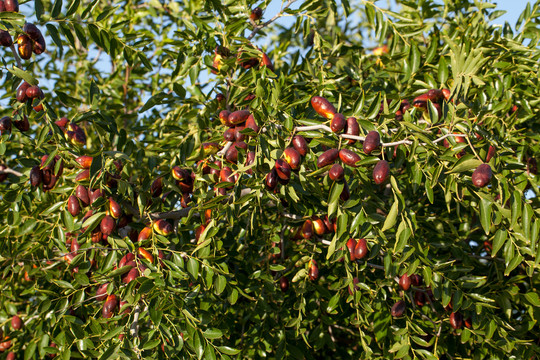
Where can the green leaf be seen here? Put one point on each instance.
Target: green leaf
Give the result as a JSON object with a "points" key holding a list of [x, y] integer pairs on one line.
{"points": [[333, 199], [485, 214], [514, 263], [228, 350], [462, 166], [212, 333], [391, 218], [26, 76], [498, 241]]}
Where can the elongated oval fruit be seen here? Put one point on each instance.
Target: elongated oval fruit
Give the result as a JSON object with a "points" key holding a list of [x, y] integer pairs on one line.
{"points": [[5, 38], [21, 92], [11, 5], [101, 292], [162, 227], [345, 193], [256, 14], [307, 229], [238, 117], [352, 128], [381, 172], [107, 225], [372, 142], [252, 124], [114, 208], [313, 270], [25, 47], [109, 306], [74, 207], [360, 250], [82, 194], [145, 254], [318, 225], [32, 31], [5, 124], [482, 175], [398, 309], [284, 284], [491, 152], [35, 176], [157, 187], [271, 180], [83, 175], [224, 117], [328, 157], [145, 234], [238, 136], [16, 322], [456, 320], [349, 157], [23, 124], [300, 144], [95, 195], [228, 135], [225, 174], [292, 157], [336, 172], [84, 161], [405, 282], [338, 123], [323, 107], [283, 169], [351, 245], [416, 280]]}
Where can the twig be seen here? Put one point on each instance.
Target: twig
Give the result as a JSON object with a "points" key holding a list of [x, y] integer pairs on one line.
{"points": [[277, 16], [225, 149], [16, 56], [11, 171], [134, 328], [176, 214]]}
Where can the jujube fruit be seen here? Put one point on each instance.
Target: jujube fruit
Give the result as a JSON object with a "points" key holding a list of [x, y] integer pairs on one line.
{"points": [[313, 270], [398, 309], [349, 157], [74, 207], [338, 123], [482, 175], [360, 250], [109, 306], [16, 322], [25, 47], [372, 142], [292, 157], [352, 128], [5, 38], [336, 172], [107, 225], [162, 227], [381, 172], [300, 144], [11, 5], [271, 180], [351, 245], [283, 169], [456, 320], [405, 282], [323, 107], [327, 157], [256, 14], [238, 117]]}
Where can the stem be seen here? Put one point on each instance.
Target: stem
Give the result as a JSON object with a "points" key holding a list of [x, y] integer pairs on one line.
{"points": [[277, 16], [16, 56], [11, 171]]}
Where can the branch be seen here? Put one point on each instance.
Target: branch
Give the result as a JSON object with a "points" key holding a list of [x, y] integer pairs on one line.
{"points": [[11, 171], [225, 149], [360, 138], [16, 56], [176, 214], [134, 328], [277, 16]]}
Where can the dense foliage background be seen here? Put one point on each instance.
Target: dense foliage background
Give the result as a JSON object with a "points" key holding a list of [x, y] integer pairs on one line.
{"points": [[142, 85]]}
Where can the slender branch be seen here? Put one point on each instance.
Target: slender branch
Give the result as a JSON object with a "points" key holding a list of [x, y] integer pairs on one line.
{"points": [[360, 138], [16, 56], [11, 171], [225, 149], [277, 16], [134, 328], [176, 214]]}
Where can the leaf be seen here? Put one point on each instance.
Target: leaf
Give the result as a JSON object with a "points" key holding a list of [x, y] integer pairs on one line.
{"points": [[228, 350], [485, 214], [514, 263], [23, 75], [333, 199], [391, 218], [498, 241], [193, 268], [462, 166], [212, 333]]}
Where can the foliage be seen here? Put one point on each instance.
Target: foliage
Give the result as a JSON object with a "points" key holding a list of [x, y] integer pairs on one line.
{"points": [[143, 82]]}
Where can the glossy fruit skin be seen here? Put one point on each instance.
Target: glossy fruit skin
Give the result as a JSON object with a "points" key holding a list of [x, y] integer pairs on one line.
{"points": [[83, 175], [327, 158], [307, 229], [300, 144], [351, 245], [224, 117], [11, 5], [145, 254], [82, 194], [5, 38], [352, 128], [405, 282], [284, 284], [372, 142], [313, 270], [482, 175], [271, 180], [5, 124], [162, 227], [491, 152], [33, 92], [323, 107], [228, 135], [74, 207], [23, 124], [283, 169], [21, 92], [381, 172], [157, 187], [360, 250], [16, 322], [107, 225], [114, 208], [256, 14], [419, 298], [109, 306], [11, 356], [345, 193], [338, 123], [336, 172], [238, 117], [349, 157], [416, 280], [252, 124], [225, 175], [35, 176], [25, 47], [398, 309], [318, 226], [456, 320], [101, 293], [292, 157], [84, 161]]}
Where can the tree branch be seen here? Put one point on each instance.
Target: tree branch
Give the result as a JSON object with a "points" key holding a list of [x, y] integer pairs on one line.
{"points": [[11, 171], [16, 56], [277, 16]]}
